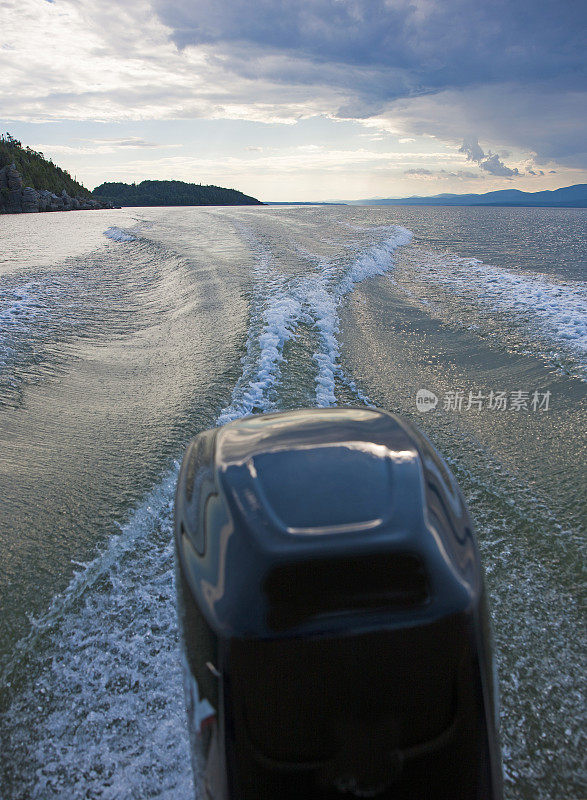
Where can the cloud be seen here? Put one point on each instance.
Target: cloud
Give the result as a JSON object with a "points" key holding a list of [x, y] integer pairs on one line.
{"points": [[101, 146], [129, 143], [430, 45], [286, 162], [495, 166], [490, 162], [520, 61], [509, 72], [443, 174], [374, 136], [545, 123], [472, 150]]}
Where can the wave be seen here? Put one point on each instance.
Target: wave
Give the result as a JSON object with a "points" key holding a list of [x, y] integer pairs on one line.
{"points": [[313, 300], [104, 676], [103, 671], [276, 312], [19, 305], [559, 310], [375, 260], [118, 235]]}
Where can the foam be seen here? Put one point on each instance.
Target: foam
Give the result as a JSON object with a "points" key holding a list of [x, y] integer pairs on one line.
{"points": [[312, 300], [375, 260], [118, 235], [19, 305], [559, 310], [276, 312], [100, 711], [102, 714]]}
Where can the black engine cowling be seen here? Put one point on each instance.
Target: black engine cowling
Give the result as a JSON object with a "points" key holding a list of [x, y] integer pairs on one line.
{"points": [[332, 609]]}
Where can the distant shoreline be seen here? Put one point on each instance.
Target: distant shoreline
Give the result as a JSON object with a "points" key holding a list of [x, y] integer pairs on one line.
{"points": [[566, 197], [405, 204], [580, 204]]}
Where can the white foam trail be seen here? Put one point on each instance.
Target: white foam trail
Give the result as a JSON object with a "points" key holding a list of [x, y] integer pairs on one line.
{"points": [[376, 260], [312, 300], [323, 310], [104, 716], [19, 305], [18, 309], [323, 303], [276, 312], [103, 664], [118, 235], [558, 309]]}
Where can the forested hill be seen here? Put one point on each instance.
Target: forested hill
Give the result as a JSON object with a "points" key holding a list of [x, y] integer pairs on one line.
{"points": [[37, 171], [171, 193]]}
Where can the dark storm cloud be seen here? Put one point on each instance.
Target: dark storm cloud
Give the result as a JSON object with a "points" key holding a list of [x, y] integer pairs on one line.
{"points": [[434, 45], [545, 119], [381, 54]]}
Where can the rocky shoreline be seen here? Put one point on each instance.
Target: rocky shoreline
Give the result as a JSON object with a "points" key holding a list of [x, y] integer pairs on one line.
{"points": [[18, 199]]}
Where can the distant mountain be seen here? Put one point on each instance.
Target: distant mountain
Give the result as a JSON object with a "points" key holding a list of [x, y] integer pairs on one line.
{"points": [[567, 197], [171, 193], [304, 203]]}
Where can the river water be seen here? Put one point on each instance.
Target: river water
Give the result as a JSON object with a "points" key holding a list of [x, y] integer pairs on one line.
{"points": [[123, 333]]}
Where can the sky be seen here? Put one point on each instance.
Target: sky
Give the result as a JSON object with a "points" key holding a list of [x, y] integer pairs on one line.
{"points": [[303, 100]]}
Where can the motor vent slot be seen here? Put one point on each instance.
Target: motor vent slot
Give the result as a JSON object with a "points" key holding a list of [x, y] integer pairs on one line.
{"points": [[300, 591]]}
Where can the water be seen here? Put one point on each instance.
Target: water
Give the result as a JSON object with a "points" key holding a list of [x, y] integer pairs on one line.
{"points": [[123, 333]]}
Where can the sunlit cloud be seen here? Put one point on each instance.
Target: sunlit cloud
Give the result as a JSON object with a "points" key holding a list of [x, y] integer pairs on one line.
{"points": [[442, 174], [102, 146], [423, 75]]}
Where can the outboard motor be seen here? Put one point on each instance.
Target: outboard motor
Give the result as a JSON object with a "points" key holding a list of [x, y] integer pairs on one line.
{"points": [[332, 609]]}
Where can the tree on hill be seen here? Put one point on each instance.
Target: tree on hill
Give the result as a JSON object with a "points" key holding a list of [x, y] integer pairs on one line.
{"points": [[171, 193], [36, 170]]}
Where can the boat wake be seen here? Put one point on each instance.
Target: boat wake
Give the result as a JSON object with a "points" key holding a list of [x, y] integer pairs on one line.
{"points": [[118, 235], [281, 304], [551, 311], [95, 690]]}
